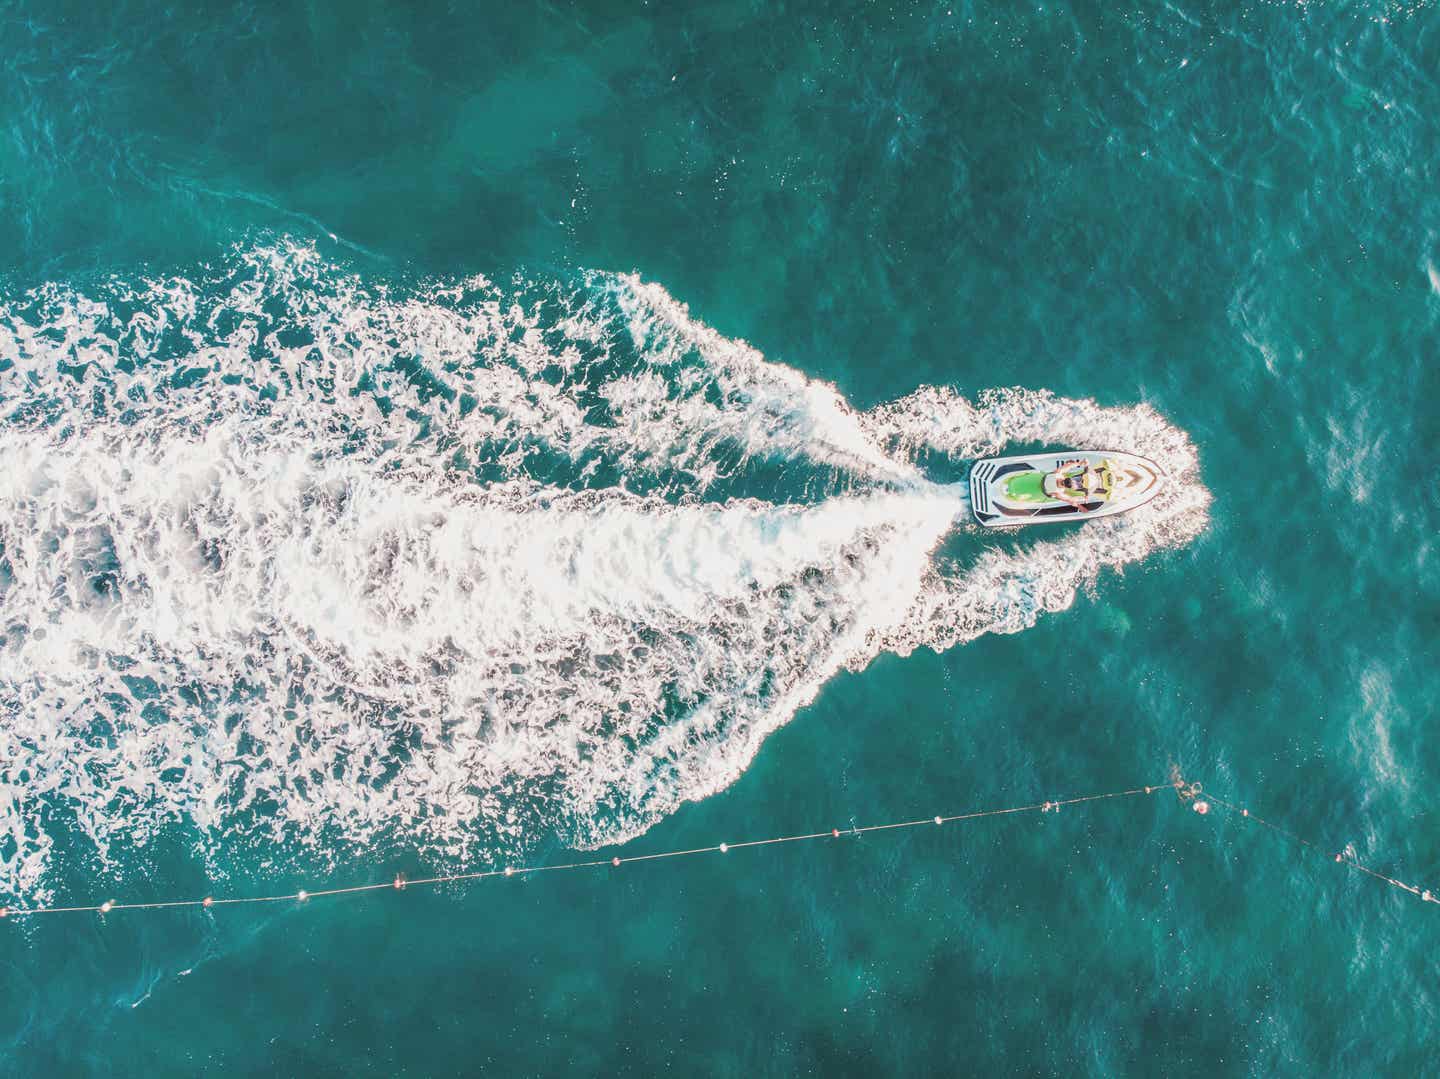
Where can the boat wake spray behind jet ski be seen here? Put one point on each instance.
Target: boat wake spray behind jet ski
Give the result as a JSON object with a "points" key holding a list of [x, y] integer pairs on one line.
{"points": [[1075, 485]]}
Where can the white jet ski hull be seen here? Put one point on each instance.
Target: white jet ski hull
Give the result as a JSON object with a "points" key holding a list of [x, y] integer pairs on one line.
{"points": [[1010, 491]]}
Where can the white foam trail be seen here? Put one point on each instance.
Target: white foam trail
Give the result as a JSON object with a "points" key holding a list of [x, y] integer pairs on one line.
{"points": [[270, 580]]}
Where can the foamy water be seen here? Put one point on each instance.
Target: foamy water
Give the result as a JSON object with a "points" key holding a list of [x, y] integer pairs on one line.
{"points": [[292, 558]]}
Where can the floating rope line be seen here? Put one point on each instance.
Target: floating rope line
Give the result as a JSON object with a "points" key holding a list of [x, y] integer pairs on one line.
{"points": [[400, 883], [1187, 792], [1191, 792]]}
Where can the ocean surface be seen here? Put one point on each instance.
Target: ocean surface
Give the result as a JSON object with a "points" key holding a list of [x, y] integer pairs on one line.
{"points": [[437, 438]]}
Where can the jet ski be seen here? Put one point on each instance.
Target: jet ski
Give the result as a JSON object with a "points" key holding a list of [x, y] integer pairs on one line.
{"points": [[1073, 485]]}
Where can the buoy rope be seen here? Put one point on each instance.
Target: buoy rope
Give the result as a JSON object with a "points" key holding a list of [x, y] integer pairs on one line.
{"points": [[1187, 792], [1191, 792], [401, 882]]}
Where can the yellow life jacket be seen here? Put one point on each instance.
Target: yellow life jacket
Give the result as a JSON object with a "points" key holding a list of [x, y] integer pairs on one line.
{"points": [[1098, 481]]}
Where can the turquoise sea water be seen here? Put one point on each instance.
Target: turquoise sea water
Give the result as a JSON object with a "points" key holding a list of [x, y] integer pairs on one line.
{"points": [[438, 437]]}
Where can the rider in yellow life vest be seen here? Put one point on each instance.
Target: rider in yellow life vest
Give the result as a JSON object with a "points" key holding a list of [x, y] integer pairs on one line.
{"points": [[1077, 483]]}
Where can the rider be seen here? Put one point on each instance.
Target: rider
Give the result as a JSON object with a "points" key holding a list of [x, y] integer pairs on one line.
{"points": [[1077, 483]]}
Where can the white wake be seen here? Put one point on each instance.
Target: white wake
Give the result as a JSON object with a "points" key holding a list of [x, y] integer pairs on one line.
{"points": [[291, 560]]}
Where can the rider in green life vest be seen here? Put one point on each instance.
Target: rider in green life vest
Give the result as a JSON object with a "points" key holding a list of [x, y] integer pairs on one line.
{"points": [[1077, 483]]}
